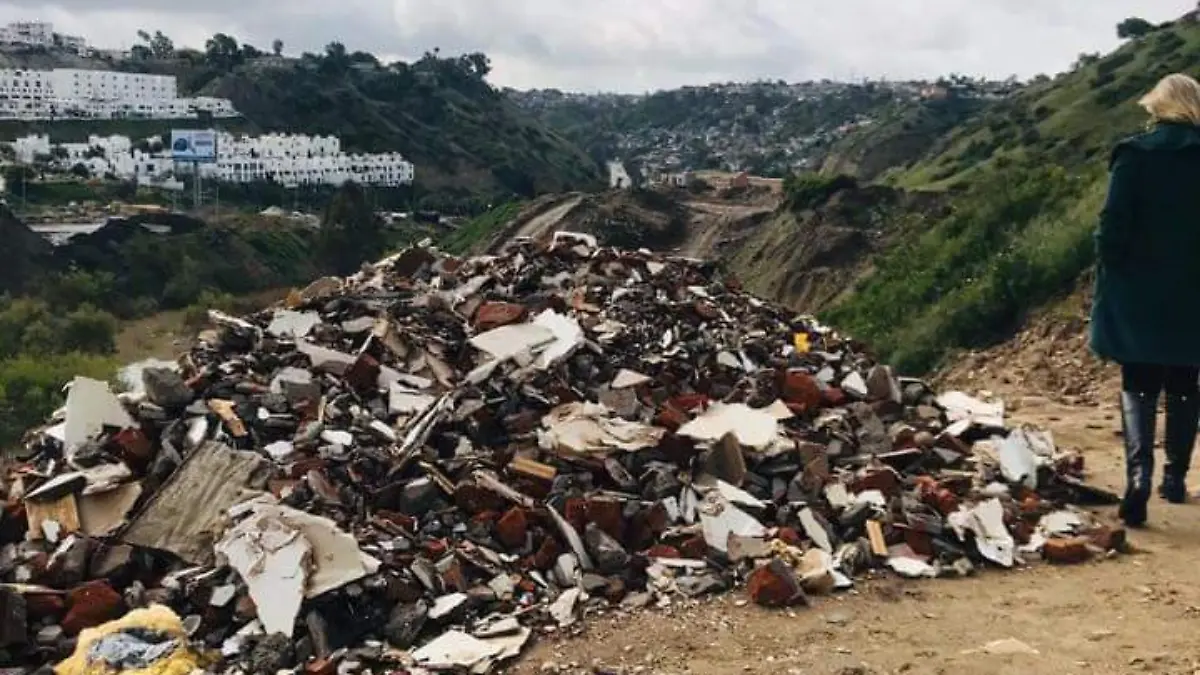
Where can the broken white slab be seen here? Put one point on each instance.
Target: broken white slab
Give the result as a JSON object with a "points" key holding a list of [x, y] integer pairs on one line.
{"points": [[568, 336], [960, 406], [626, 379], [1060, 522], [274, 561], [911, 568], [587, 428], [445, 605], [505, 342], [986, 521], [780, 410], [719, 518], [1018, 461], [92, 406], [289, 324], [324, 358], [403, 400], [752, 427], [563, 608], [285, 555], [454, 650], [736, 495], [815, 531], [854, 385]]}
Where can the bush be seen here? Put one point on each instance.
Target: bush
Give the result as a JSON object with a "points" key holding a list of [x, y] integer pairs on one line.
{"points": [[968, 279], [805, 191], [31, 388]]}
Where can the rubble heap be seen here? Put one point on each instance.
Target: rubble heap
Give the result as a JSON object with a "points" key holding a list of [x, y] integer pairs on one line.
{"points": [[422, 466]]}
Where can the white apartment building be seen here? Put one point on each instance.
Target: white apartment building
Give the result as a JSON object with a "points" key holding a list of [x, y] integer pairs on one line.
{"points": [[25, 94], [292, 160], [30, 33], [296, 159], [99, 94]]}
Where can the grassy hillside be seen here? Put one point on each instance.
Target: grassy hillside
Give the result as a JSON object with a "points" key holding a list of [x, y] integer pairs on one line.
{"points": [[1027, 177], [459, 131]]}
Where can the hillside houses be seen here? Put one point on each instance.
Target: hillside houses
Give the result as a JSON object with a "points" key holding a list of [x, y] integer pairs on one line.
{"points": [[291, 160]]}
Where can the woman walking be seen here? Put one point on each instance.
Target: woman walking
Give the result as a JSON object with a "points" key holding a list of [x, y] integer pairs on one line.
{"points": [[1146, 314]]}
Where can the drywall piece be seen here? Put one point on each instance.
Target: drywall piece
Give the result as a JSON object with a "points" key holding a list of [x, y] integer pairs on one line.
{"points": [[289, 324], [568, 335], [91, 407], [587, 428], [986, 521], [506, 342], [752, 428], [626, 379], [274, 561]]}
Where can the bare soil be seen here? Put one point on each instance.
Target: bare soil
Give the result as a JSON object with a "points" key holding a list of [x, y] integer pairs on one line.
{"points": [[1137, 613]]}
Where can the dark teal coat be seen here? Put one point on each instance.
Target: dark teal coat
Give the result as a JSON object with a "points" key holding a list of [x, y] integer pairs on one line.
{"points": [[1147, 304]]}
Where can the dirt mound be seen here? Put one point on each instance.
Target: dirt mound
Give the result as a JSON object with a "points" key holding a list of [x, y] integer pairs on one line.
{"points": [[1050, 356], [808, 259], [26, 253]]}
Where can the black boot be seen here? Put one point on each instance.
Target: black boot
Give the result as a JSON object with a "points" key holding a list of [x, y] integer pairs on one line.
{"points": [[1183, 414], [1138, 423]]}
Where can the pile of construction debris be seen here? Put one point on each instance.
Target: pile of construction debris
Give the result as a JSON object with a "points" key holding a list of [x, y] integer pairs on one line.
{"points": [[421, 467]]}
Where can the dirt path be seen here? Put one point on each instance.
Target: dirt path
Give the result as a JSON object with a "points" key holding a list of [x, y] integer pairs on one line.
{"points": [[541, 225], [1132, 614]]}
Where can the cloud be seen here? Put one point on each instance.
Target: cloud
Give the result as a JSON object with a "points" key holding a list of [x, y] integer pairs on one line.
{"points": [[634, 45]]}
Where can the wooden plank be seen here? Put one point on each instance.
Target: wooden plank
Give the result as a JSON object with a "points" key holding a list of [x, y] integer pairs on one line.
{"points": [[64, 511], [875, 534]]}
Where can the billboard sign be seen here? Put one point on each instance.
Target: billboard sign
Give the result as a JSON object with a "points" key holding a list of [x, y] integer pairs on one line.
{"points": [[194, 145]]}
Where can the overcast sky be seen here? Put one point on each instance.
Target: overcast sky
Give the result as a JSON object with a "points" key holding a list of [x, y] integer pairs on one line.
{"points": [[636, 45]]}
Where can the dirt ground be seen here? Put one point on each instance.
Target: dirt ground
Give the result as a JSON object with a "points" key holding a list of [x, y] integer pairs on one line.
{"points": [[1138, 613]]}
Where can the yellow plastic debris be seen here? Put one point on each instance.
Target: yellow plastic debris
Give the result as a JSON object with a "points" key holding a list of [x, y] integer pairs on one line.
{"points": [[180, 661], [801, 342]]}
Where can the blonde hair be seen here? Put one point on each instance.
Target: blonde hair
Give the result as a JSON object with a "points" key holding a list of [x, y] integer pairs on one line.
{"points": [[1176, 98]]}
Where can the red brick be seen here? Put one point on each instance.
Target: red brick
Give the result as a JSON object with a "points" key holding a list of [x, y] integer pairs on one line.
{"points": [[688, 402], [883, 480], [512, 528], [136, 448], [606, 514], [91, 605], [454, 578], [670, 419], [945, 501], [789, 536], [472, 498], [575, 513], [1067, 551], [662, 551], [245, 609], [1108, 538], [546, 554], [801, 390], [775, 585], [320, 667], [920, 542], [42, 605], [495, 314], [695, 548], [436, 548], [364, 374], [834, 397], [616, 590]]}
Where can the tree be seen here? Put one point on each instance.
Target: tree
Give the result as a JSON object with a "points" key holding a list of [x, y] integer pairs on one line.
{"points": [[277, 47], [222, 52], [1134, 27], [141, 53], [161, 46], [81, 170], [350, 232]]}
